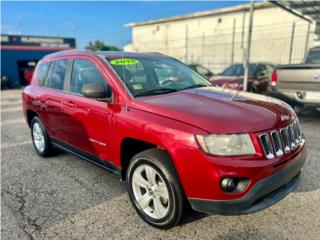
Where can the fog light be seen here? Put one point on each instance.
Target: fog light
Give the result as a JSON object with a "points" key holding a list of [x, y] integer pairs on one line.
{"points": [[234, 185], [229, 184]]}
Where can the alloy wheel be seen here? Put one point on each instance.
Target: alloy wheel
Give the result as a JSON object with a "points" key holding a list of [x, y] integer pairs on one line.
{"points": [[38, 137], [150, 191]]}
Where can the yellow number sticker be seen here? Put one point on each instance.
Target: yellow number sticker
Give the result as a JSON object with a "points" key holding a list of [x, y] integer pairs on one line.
{"points": [[124, 61]]}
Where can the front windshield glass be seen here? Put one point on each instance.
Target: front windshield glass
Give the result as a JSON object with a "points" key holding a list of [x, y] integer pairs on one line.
{"points": [[238, 70], [155, 75]]}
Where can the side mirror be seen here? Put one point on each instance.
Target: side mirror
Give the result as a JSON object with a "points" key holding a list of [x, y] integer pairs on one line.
{"points": [[99, 91]]}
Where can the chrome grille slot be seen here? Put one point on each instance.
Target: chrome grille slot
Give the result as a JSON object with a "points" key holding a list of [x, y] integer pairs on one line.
{"points": [[295, 132], [292, 140], [267, 146], [285, 139], [277, 143], [299, 131]]}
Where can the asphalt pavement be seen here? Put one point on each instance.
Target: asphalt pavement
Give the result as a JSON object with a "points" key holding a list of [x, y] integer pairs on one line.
{"points": [[64, 197]]}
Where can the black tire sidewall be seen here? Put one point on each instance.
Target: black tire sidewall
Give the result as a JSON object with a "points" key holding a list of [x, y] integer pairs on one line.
{"points": [[174, 213]]}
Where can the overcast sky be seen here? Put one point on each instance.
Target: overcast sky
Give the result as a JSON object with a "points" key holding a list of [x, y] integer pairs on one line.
{"points": [[89, 21]]}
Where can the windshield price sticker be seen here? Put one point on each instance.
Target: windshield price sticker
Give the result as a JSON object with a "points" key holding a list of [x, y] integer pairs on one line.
{"points": [[124, 61]]}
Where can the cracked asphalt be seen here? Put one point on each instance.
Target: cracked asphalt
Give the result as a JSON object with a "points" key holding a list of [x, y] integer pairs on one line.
{"points": [[64, 197]]}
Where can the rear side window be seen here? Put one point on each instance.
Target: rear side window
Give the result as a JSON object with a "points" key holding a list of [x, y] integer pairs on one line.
{"points": [[58, 74], [313, 57], [84, 72], [42, 72]]}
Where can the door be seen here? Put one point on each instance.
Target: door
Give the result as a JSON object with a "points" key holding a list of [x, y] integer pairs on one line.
{"points": [[88, 122], [262, 78], [52, 95]]}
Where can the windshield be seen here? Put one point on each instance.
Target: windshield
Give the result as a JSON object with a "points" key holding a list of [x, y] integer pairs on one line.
{"points": [[238, 70], [313, 57], [155, 75]]}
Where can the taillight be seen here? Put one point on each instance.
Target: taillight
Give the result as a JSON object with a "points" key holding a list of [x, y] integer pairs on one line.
{"points": [[274, 78]]}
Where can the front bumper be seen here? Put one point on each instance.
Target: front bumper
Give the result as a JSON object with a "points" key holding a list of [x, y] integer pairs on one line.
{"points": [[263, 194]]}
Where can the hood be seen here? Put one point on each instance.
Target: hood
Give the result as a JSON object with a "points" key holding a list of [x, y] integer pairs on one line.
{"points": [[216, 110]]}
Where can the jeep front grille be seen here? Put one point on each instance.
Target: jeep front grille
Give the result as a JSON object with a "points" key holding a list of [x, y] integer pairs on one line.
{"points": [[276, 143], [267, 146]]}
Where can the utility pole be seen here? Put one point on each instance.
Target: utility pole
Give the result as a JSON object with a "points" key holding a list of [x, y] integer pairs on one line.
{"points": [[233, 39], [291, 42], [186, 50], [247, 57], [306, 46], [242, 30]]}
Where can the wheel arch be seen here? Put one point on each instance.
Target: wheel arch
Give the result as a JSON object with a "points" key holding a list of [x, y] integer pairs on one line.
{"points": [[131, 146], [30, 115]]}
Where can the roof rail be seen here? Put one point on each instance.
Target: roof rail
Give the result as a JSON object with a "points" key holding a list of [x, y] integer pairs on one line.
{"points": [[70, 51]]}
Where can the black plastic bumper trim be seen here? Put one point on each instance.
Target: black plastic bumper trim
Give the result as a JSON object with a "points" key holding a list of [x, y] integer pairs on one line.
{"points": [[265, 193]]}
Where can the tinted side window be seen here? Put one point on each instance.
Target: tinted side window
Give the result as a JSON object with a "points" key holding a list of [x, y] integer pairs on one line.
{"points": [[42, 72], [58, 74], [84, 72], [313, 57], [203, 71], [269, 69], [261, 70]]}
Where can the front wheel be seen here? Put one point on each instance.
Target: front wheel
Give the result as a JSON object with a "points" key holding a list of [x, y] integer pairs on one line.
{"points": [[154, 188], [40, 138]]}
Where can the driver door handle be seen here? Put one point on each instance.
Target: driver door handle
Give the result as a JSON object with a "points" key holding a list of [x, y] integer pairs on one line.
{"points": [[68, 103]]}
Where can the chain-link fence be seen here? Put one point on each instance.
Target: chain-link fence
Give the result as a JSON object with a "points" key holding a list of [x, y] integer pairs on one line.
{"points": [[274, 43]]}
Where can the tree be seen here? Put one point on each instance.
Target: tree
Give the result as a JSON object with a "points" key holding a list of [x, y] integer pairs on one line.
{"points": [[100, 46]]}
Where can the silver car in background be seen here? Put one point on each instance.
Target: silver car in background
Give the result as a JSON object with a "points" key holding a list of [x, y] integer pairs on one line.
{"points": [[299, 84]]}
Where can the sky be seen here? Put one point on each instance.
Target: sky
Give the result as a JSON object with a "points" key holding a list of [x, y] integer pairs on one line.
{"points": [[89, 21]]}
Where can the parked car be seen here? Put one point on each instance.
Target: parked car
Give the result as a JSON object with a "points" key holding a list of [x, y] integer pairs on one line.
{"points": [[299, 84], [259, 80], [205, 72], [5, 83], [174, 141], [27, 75]]}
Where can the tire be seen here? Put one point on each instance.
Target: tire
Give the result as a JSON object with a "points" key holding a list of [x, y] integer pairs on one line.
{"points": [[171, 203], [37, 129]]}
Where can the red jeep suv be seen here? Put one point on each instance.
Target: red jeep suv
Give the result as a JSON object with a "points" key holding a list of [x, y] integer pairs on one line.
{"points": [[174, 138]]}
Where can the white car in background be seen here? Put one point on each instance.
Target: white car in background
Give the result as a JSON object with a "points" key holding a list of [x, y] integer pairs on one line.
{"points": [[299, 84]]}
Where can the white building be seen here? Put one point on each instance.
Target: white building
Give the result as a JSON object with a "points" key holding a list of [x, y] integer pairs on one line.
{"points": [[217, 38]]}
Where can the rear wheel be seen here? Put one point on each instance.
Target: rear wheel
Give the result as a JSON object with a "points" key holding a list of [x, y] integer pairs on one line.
{"points": [[40, 138], [154, 188]]}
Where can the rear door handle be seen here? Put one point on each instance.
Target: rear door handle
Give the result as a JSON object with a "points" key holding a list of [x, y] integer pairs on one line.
{"points": [[68, 103]]}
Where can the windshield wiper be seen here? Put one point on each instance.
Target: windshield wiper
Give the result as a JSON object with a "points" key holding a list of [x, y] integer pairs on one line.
{"points": [[196, 86], [156, 91]]}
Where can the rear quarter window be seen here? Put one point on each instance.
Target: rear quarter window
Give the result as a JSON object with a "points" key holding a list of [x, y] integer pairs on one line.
{"points": [[42, 72], [58, 74]]}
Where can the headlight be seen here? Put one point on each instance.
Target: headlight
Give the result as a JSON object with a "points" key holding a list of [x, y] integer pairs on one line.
{"points": [[226, 145]]}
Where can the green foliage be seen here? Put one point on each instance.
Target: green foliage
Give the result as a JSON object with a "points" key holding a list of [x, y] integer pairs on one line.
{"points": [[100, 46]]}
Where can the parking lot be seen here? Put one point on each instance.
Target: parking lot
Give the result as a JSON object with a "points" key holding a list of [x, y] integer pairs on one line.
{"points": [[64, 197]]}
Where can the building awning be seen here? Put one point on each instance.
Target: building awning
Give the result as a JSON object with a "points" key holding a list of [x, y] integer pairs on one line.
{"points": [[305, 9]]}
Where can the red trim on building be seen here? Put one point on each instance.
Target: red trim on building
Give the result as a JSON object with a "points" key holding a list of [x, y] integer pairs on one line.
{"points": [[32, 48]]}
